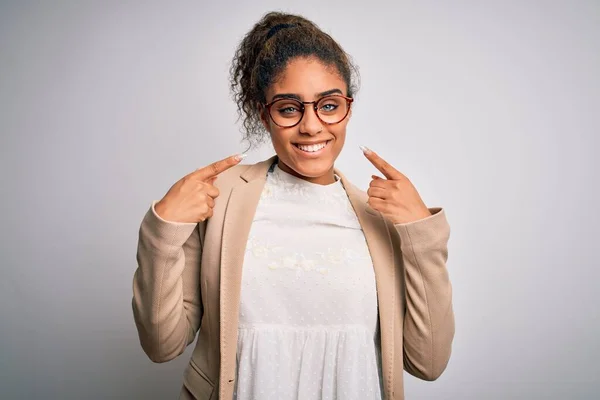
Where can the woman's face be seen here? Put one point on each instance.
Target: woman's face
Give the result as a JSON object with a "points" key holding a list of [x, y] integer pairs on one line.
{"points": [[307, 79]]}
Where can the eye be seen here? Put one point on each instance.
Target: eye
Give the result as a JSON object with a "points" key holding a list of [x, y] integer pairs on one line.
{"points": [[331, 105], [328, 107], [287, 108]]}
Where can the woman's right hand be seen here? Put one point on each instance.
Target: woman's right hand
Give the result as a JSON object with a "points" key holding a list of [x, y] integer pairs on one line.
{"points": [[191, 199]]}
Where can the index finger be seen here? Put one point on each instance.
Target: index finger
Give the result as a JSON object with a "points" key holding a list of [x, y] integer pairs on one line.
{"points": [[217, 167], [383, 166]]}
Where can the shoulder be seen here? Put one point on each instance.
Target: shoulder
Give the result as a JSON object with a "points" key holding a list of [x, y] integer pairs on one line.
{"points": [[237, 174], [244, 173], [356, 191], [359, 199], [353, 191], [234, 172], [231, 176]]}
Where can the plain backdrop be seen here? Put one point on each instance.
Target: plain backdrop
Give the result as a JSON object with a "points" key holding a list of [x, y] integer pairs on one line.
{"points": [[491, 108]]}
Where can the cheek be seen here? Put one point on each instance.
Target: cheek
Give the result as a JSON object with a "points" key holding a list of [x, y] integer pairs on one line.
{"points": [[279, 138], [340, 134]]}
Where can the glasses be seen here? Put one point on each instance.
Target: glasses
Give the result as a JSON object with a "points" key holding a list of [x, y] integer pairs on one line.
{"points": [[288, 112]]}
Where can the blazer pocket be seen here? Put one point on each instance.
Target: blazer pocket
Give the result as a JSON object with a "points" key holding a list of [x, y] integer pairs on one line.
{"points": [[196, 381]]}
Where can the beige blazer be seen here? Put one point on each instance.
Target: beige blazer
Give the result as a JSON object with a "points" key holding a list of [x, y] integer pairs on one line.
{"points": [[188, 283]]}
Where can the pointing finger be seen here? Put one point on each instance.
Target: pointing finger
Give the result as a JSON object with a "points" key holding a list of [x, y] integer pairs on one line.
{"points": [[383, 166], [214, 169]]}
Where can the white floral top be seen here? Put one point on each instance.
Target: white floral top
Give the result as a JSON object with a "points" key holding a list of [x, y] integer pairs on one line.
{"points": [[308, 314]]}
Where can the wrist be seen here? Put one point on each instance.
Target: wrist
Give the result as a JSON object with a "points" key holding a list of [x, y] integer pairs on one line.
{"points": [[159, 209]]}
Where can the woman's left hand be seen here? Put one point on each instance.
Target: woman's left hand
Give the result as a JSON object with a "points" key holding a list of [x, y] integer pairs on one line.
{"points": [[395, 197]]}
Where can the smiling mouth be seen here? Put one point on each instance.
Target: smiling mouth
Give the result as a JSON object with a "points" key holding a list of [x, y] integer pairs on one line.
{"points": [[312, 148]]}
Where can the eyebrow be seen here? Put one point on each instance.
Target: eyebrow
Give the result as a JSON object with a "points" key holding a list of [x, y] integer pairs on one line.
{"points": [[296, 97]]}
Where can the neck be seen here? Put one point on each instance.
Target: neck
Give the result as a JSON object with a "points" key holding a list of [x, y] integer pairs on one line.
{"points": [[325, 179]]}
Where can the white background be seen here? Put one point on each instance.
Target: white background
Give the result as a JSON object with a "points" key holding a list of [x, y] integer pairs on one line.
{"points": [[491, 108]]}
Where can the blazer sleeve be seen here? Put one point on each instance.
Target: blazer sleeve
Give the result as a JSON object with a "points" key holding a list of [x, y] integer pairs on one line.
{"points": [[167, 304], [429, 317]]}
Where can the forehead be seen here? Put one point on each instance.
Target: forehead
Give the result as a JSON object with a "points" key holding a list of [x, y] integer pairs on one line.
{"points": [[307, 77]]}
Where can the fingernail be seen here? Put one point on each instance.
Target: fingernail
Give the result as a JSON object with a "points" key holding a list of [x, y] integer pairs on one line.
{"points": [[240, 157], [365, 149]]}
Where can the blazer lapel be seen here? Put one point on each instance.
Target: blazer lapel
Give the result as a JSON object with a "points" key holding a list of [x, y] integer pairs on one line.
{"points": [[381, 250], [239, 213]]}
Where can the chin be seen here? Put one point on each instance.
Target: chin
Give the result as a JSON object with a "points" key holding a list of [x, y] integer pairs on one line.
{"points": [[314, 168], [311, 169]]}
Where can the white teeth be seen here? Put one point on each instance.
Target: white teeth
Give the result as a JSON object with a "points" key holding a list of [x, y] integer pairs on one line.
{"points": [[311, 148]]}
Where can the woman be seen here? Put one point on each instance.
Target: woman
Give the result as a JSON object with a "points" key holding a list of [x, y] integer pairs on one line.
{"points": [[298, 284]]}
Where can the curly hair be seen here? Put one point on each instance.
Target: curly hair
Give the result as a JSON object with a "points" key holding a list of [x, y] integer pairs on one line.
{"points": [[263, 54]]}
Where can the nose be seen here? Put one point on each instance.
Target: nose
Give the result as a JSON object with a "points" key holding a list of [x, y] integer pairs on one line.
{"points": [[310, 123]]}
